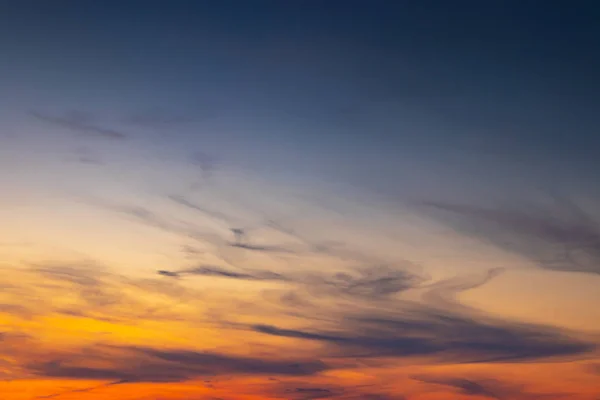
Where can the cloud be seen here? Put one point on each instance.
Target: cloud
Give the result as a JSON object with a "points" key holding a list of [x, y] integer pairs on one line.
{"points": [[564, 238], [309, 393], [263, 248], [87, 156], [207, 163], [485, 388], [215, 271], [362, 283], [314, 392], [88, 290], [154, 220], [88, 281], [216, 215], [84, 390], [489, 388], [296, 390], [79, 122], [444, 294], [169, 273], [145, 364], [240, 234], [439, 335], [372, 282]]}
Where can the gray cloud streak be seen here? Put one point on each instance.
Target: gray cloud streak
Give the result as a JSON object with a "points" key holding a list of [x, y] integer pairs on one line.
{"points": [[564, 238], [79, 123], [144, 364]]}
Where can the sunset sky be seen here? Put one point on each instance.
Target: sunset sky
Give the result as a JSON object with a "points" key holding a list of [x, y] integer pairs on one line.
{"points": [[299, 200]]}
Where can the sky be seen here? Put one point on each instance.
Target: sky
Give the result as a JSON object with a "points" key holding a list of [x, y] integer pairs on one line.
{"points": [[299, 200]]}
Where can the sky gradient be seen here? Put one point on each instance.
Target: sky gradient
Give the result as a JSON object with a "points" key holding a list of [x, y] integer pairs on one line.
{"points": [[299, 200]]}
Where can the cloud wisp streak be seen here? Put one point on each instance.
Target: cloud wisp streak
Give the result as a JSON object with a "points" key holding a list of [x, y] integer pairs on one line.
{"points": [[218, 272], [440, 336], [564, 238], [488, 388], [144, 364], [83, 390], [80, 123]]}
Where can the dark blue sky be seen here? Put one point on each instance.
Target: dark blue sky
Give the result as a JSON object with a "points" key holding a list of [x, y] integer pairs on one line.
{"points": [[380, 93]]}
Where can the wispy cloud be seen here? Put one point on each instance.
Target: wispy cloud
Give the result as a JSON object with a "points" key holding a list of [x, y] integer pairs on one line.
{"points": [[83, 390], [240, 234], [144, 364], [442, 329], [89, 290], [451, 338], [295, 389], [367, 282], [214, 271], [488, 388], [443, 294], [79, 122], [309, 393], [84, 155], [563, 238]]}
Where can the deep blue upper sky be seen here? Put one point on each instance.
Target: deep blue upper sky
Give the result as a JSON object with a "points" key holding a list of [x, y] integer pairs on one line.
{"points": [[383, 93]]}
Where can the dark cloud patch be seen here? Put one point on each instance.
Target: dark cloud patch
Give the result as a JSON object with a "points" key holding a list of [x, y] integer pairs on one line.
{"points": [[309, 393], [143, 364], [486, 388], [351, 395], [79, 122], [171, 274], [563, 237], [297, 390], [218, 272], [263, 248], [372, 282], [439, 334]]}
